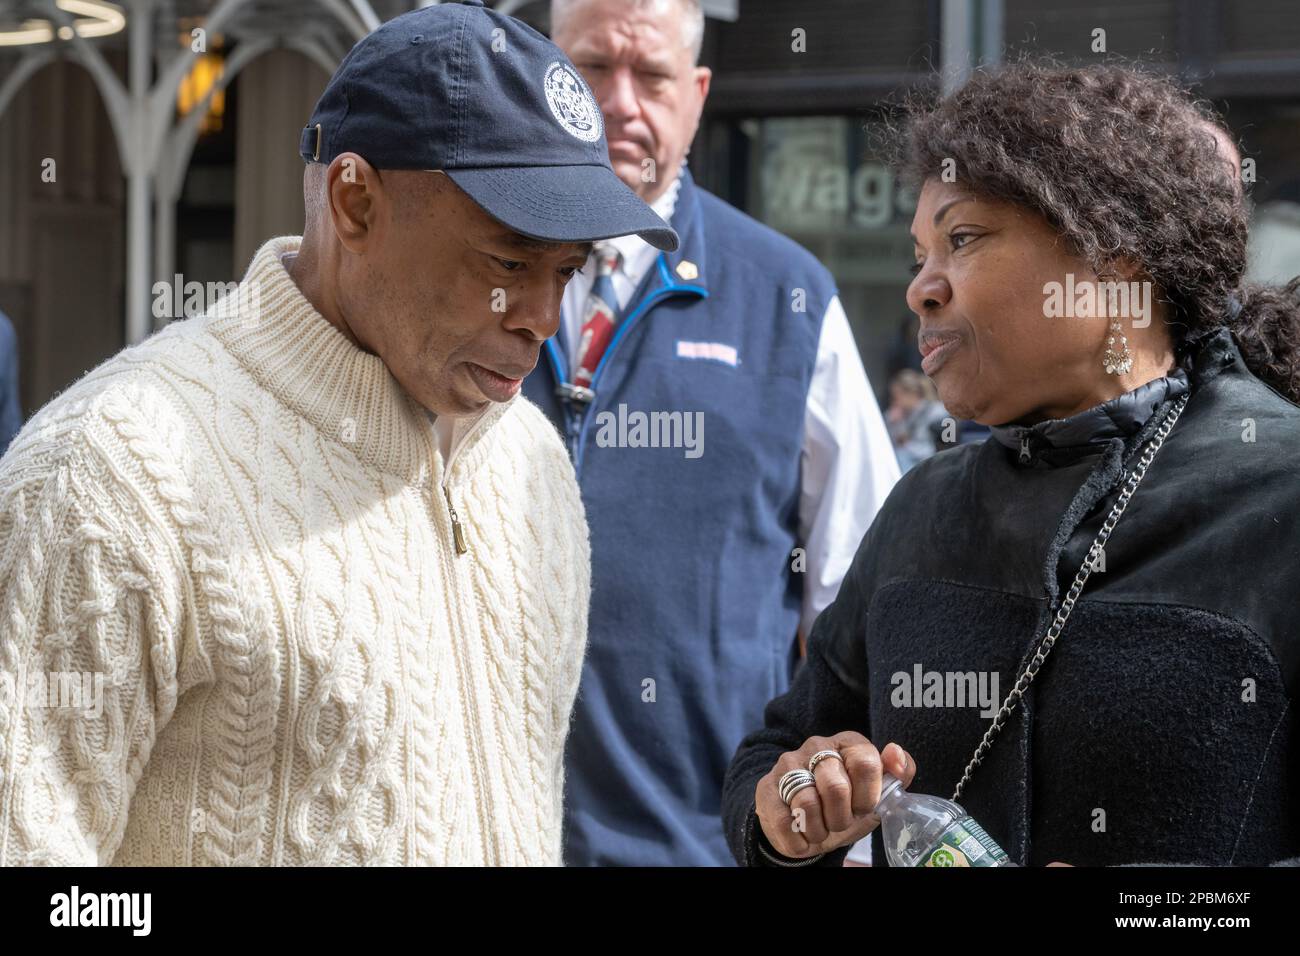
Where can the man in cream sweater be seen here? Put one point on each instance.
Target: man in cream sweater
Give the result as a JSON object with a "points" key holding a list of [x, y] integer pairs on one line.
{"points": [[304, 580]]}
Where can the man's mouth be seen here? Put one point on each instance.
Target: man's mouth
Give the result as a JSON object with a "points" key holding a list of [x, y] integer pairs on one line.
{"points": [[499, 386], [624, 144]]}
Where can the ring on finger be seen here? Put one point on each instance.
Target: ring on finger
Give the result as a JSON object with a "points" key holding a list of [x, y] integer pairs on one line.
{"points": [[792, 782], [821, 755]]}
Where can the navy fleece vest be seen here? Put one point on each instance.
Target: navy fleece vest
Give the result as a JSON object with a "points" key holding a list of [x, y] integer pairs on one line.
{"points": [[695, 602]]}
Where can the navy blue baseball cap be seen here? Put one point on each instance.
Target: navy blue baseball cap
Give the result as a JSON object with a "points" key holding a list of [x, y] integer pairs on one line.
{"points": [[497, 107]]}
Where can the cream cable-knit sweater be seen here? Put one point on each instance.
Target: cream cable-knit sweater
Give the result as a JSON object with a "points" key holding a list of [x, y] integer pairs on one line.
{"points": [[243, 525]]}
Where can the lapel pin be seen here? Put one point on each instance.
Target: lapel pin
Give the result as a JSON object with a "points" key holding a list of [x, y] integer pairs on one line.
{"points": [[687, 270]]}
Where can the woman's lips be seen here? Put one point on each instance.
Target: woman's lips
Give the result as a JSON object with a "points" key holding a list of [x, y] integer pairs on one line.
{"points": [[936, 349], [494, 385]]}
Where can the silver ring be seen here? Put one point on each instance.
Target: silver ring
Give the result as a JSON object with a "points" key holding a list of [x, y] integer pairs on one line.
{"points": [[821, 755], [792, 782]]}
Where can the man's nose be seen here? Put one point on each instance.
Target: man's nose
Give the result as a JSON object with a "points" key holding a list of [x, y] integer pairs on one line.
{"points": [[617, 96], [536, 312]]}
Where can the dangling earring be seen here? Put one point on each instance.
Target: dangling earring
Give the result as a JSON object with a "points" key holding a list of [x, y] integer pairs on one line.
{"points": [[1117, 361]]}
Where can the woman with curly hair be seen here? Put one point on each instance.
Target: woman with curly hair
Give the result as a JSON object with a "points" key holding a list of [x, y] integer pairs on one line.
{"points": [[1119, 563]]}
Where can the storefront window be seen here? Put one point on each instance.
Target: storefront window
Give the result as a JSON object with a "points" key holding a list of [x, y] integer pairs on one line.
{"points": [[818, 180]]}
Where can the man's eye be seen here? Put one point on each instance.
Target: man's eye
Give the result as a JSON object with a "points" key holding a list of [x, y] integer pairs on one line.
{"points": [[915, 268], [570, 271], [510, 265]]}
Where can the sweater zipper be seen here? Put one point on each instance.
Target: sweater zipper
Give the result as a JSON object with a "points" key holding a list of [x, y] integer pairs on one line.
{"points": [[457, 534], [1024, 449], [462, 651], [457, 530], [469, 682]]}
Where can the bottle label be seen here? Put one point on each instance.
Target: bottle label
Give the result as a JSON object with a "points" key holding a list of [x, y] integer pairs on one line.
{"points": [[965, 843]]}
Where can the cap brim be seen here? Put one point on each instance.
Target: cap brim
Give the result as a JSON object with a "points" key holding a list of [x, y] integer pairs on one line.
{"points": [[564, 203]]}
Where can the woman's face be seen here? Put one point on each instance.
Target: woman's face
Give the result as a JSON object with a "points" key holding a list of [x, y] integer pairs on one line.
{"points": [[979, 291]]}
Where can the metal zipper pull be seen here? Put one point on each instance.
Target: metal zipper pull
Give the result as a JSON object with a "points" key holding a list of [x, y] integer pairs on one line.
{"points": [[1024, 449], [457, 533]]}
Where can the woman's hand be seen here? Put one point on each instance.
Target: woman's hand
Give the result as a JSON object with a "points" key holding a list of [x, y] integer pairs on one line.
{"points": [[838, 811]]}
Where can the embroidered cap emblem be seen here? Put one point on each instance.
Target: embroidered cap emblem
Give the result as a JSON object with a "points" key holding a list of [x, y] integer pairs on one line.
{"points": [[572, 103]]}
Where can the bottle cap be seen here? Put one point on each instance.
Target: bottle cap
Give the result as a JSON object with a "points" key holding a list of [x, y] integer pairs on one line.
{"points": [[888, 784]]}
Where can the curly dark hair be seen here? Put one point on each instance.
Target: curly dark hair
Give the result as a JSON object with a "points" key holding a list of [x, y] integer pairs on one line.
{"points": [[1123, 163]]}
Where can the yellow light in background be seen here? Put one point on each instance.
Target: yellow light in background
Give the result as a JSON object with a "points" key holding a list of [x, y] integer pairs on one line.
{"points": [[98, 19], [202, 77]]}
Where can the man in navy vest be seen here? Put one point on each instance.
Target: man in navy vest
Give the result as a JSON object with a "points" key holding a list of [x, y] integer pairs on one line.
{"points": [[11, 413], [730, 453]]}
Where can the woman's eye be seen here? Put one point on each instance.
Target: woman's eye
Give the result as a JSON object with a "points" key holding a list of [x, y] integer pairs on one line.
{"points": [[510, 265], [915, 268], [960, 235]]}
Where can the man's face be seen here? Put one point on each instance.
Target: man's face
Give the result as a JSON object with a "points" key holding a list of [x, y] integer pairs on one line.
{"points": [[644, 77], [456, 304]]}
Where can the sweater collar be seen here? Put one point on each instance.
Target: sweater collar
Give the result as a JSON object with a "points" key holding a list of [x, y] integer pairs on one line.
{"points": [[348, 394], [1200, 360]]}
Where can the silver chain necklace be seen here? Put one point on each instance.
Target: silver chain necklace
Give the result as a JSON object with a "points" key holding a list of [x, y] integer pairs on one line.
{"points": [[1062, 615]]}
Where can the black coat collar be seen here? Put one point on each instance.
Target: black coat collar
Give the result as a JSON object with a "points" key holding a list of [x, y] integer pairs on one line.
{"points": [[1124, 415]]}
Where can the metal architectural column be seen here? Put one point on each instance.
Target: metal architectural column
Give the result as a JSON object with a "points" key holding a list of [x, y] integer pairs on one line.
{"points": [[142, 117], [992, 31], [175, 158], [367, 14], [28, 65], [139, 171], [957, 44], [180, 143], [971, 33], [126, 111], [345, 14]]}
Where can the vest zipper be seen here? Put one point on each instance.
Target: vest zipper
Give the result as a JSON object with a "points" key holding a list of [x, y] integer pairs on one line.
{"points": [[666, 290], [1024, 449]]}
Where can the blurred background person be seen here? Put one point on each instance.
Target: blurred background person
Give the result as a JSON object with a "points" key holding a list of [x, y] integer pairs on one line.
{"points": [[915, 417], [11, 413], [706, 569]]}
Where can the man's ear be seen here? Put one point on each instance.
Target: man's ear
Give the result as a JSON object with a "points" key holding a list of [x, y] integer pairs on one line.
{"points": [[703, 81], [356, 195]]}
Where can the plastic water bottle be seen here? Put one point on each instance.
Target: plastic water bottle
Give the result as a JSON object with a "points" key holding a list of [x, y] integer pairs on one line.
{"points": [[920, 830]]}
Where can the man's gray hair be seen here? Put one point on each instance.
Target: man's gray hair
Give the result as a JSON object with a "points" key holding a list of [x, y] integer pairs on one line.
{"points": [[692, 19]]}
